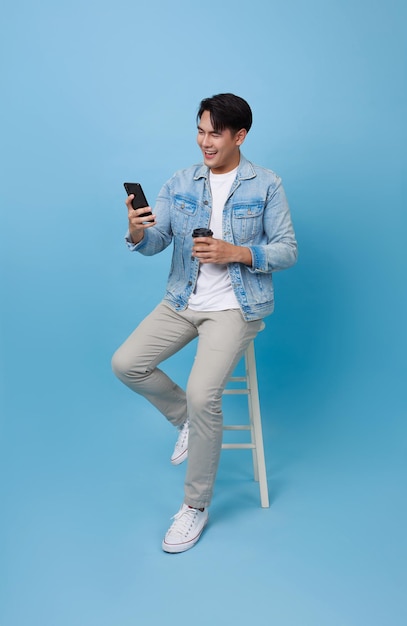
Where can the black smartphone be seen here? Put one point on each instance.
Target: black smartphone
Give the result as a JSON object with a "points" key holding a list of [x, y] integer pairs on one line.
{"points": [[139, 199]]}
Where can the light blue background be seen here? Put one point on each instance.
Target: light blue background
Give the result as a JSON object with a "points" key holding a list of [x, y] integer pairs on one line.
{"points": [[94, 93]]}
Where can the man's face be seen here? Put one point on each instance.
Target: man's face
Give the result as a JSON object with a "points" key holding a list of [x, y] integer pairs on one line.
{"points": [[220, 150]]}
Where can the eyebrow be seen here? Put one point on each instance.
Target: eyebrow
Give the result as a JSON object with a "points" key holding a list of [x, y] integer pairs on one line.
{"points": [[218, 132]]}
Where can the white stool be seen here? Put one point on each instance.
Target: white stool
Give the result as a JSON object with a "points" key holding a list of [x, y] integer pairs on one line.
{"points": [[250, 389]]}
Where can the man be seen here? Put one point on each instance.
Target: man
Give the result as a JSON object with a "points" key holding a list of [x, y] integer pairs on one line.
{"points": [[219, 289]]}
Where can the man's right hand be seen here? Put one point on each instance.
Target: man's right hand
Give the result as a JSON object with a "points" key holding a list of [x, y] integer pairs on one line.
{"points": [[137, 224]]}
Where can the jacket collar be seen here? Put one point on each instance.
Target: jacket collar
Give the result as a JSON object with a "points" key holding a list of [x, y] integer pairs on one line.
{"points": [[245, 170]]}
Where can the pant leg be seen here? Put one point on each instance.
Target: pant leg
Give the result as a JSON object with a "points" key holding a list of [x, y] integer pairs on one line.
{"points": [[160, 335], [223, 338]]}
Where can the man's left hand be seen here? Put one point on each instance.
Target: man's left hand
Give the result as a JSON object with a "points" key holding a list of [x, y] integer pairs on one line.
{"points": [[211, 250]]}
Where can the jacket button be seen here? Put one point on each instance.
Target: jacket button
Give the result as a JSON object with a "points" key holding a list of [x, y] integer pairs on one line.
{"points": [[206, 202]]}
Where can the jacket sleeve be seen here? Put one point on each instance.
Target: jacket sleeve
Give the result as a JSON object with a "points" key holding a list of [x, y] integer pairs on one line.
{"points": [[158, 237], [279, 251]]}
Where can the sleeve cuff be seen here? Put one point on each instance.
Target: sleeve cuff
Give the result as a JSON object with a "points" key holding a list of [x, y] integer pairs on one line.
{"points": [[129, 243], [259, 259]]}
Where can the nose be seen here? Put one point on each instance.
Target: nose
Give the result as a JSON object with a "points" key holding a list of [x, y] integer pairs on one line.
{"points": [[206, 140]]}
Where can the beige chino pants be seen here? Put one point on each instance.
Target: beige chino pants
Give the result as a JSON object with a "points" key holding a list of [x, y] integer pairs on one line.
{"points": [[222, 339]]}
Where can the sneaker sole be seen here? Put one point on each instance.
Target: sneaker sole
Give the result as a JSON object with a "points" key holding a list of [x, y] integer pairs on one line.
{"points": [[183, 547], [180, 459]]}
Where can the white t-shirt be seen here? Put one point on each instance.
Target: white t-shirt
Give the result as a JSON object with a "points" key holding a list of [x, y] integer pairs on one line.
{"points": [[213, 291]]}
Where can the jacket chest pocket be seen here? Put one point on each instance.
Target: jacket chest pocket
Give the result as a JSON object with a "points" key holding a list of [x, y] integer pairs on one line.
{"points": [[183, 216], [247, 222]]}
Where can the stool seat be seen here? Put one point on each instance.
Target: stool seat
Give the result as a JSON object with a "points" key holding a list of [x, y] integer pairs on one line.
{"points": [[253, 425]]}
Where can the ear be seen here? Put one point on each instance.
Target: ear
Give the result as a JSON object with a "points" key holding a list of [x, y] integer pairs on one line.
{"points": [[240, 136]]}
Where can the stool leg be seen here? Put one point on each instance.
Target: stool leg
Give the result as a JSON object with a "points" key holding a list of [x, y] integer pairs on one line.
{"points": [[251, 384], [259, 462]]}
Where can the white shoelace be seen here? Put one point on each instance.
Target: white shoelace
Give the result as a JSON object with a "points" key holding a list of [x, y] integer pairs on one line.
{"points": [[183, 521], [183, 435]]}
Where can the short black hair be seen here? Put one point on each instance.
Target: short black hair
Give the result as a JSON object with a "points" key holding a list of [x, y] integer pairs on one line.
{"points": [[227, 111]]}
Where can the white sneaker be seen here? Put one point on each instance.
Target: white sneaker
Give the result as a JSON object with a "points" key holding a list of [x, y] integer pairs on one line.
{"points": [[185, 530], [181, 447]]}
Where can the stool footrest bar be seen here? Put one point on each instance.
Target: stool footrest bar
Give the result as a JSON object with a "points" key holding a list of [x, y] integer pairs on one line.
{"points": [[238, 446]]}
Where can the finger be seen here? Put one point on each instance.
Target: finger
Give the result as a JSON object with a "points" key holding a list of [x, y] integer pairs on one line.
{"points": [[202, 245], [142, 222], [128, 202], [142, 211]]}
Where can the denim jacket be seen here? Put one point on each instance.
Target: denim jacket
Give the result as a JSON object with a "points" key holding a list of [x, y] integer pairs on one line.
{"points": [[256, 215]]}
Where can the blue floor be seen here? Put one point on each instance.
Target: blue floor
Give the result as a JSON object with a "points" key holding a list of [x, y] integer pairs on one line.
{"points": [[88, 492]]}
